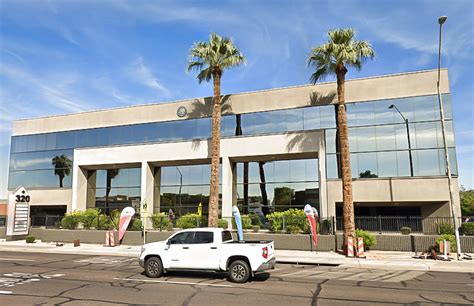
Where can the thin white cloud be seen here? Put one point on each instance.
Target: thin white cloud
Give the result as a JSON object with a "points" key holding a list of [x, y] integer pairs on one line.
{"points": [[142, 74]]}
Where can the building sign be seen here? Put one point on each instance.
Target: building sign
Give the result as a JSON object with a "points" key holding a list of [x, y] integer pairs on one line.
{"points": [[182, 111], [18, 212]]}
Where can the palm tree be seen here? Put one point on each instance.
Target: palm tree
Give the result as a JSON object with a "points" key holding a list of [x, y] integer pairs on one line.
{"points": [[334, 57], [211, 59], [62, 167]]}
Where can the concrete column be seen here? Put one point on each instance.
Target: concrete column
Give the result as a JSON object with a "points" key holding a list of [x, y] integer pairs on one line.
{"points": [[227, 189], [79, 189], [323, 199], [147, 186]]}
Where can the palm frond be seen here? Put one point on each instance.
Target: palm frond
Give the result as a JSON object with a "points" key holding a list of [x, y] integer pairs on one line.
{"points": [[341, 49], [218, 54]]}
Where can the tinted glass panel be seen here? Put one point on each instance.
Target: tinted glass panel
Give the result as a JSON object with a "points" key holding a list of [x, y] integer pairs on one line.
{"points": [[182, 238], [203, 237]]}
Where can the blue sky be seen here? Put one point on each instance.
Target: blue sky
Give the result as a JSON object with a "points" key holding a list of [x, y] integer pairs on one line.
{"points": [[60, 57]]}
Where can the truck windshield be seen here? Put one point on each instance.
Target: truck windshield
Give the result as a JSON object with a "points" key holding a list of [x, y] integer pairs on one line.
{"points": [[226, 236]]}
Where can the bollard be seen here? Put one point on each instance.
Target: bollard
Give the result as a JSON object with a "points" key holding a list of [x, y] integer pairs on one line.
{"points": [[360, 247], [107, 238], [111, 239], [350, 247]]}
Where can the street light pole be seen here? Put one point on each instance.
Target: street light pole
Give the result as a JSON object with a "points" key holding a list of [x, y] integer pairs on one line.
{"points": [[180, 186], [441, 20], [408, 136]]}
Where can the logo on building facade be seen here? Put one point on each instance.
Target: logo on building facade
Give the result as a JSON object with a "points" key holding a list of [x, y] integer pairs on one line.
{"points": [[182, 111]]}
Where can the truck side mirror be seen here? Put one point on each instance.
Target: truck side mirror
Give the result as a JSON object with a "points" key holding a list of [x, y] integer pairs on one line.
{"points": [[168, 243]]}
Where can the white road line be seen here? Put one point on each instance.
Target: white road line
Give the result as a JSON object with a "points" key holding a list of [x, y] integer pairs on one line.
{"points": [[16, 259], [171, 282], [5, 292]]}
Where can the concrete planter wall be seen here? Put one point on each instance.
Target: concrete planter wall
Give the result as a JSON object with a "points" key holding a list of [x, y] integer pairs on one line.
{"points": [[418, 243]]}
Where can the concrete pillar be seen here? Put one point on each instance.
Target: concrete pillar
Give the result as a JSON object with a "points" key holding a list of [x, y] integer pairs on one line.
{"points": [[147, 186], [79, 189], [324, 212], [227, 189]]}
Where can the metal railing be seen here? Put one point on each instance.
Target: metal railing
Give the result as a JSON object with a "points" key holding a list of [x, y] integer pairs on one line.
{"points": [[402, 224]]}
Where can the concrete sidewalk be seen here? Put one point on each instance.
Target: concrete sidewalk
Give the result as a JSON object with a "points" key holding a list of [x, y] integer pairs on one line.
{"points": [[374, 259]]}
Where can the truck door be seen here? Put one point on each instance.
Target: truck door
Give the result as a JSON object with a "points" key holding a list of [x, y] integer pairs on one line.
{"points": [[205, 251], [178, 253]]}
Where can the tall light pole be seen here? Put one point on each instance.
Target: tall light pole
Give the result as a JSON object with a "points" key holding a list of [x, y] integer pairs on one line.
{"points": [[441, 21], [180, 186], [408, 136]]}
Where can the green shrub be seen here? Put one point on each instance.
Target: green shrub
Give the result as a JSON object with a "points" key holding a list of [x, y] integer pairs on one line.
{"points": [[160, 221], [246, 222], [191, 221], [30, 239], [114, 219], [71, 220], [445, 228], [291, 218], [104, 223], [293, 229], [449, 238], [369, 239], [169, 227], [405, 230], [88, 217], [256, 228], [467, 228], [222, 223], [135, 225], [276, 221]]}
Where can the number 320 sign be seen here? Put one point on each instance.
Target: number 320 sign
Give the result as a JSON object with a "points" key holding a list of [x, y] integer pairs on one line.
{"points": [[22, 198]]}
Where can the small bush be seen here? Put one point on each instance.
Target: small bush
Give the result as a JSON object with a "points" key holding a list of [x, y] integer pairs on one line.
{"points": [[71, 220], [104, 223], [222, 223], [255, 228], [293, 229], [246, 222], [467, 228], [169, 227], [369, 239], [191, 221], [445, 228], [30, 239], [135, 225], [449, 238], [88, 217], [405, 230], [160, 221]]}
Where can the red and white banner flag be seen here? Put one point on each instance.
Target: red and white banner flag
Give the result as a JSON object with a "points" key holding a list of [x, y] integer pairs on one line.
{"points": [[312, 214], [125, 217]]}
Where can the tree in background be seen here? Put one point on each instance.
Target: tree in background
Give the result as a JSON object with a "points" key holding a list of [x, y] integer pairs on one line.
{"points": [[211, 59], [467, 201], [333, 58]]}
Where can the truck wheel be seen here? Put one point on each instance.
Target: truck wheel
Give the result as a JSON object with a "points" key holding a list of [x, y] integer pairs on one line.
{"points": [[153, 267], [239, 271]]}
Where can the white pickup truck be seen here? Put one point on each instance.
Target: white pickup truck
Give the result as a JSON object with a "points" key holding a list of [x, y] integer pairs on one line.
{"points": [[207, 249]]}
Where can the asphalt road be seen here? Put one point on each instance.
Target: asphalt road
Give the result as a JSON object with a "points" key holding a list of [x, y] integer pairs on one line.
{"points": [[34, 278]]}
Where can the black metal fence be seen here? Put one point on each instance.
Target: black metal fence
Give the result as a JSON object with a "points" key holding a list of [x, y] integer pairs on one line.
{"points": [[281, 224], [402, 224]]}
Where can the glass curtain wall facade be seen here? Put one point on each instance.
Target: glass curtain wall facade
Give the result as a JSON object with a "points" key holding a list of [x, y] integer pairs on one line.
{"points": [[112, 189], [183, 188], [377, 138], [267, 186]]}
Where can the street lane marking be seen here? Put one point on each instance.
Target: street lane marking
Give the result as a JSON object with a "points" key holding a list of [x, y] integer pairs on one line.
{"points": [[18, 259], [104, 260], [5, 292], [171, 282], [18, 278]]}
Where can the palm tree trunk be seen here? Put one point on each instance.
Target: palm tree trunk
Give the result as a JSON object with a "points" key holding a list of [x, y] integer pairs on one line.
{"points": [[348, 205], [215, 151]]}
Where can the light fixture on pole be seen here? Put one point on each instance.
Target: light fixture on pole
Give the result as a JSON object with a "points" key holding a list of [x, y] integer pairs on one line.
{"points": [[441, 21], [408, 136]]}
